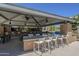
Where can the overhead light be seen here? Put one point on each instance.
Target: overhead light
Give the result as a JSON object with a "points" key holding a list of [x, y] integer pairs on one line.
{"points": [[10, 22], [46, 20], [27, 18]]}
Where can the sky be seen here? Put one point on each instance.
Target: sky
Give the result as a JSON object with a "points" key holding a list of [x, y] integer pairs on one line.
{"points": [[63, 9]]}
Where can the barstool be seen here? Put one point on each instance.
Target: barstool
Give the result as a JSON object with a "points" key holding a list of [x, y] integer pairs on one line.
{"points": [[60, 41], [48, 44], [55, 40], [51, 38], [30, 35], [38, 45], [65, 39]]}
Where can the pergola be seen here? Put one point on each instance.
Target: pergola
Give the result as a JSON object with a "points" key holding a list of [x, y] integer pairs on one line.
{"points": [[11, 14]]}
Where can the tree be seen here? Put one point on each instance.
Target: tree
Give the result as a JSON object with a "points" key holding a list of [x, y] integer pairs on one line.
{"points": [[76, 18]]}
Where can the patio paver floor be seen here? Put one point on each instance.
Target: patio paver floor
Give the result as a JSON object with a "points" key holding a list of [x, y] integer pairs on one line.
{"points": [[12, 49], [70, 50]]}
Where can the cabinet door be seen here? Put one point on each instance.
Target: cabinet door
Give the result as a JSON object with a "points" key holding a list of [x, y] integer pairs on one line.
{"points": [[1, 29]]}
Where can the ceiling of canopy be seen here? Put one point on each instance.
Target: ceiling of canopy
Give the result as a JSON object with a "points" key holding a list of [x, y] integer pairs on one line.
{"points": [[9, 18], [28, 19]]}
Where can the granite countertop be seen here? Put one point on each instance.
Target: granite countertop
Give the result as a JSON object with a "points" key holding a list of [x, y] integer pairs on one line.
{"points": [[32, 38], [29, 39]]}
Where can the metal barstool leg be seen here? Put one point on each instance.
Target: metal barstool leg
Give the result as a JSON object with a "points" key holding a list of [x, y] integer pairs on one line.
{"points": [[67, 41], [62, 42], [37, 48], [34, 47], [42, 49], [45, 47], [49, 47], [56, 44]]}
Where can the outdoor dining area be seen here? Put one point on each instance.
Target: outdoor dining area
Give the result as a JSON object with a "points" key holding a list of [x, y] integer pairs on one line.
{"points": [[27, 25], [46, 42]]}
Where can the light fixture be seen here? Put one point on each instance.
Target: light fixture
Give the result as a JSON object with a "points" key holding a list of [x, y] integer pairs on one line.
{"points": [[27, 18], [46, 20], [10, 22]]}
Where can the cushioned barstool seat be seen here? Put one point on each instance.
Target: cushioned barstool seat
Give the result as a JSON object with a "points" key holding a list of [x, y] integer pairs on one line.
{"points": [[47, 40], [38, 42]]}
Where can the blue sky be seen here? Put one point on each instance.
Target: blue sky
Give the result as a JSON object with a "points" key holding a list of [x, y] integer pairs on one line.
{"points": [[63, 9]]}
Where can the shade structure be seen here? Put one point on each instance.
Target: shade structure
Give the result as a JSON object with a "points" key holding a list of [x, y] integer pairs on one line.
{"points": [[12, 14]]}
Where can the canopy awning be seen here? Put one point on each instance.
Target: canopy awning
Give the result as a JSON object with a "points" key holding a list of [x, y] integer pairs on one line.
{"points": [[11, 14]]}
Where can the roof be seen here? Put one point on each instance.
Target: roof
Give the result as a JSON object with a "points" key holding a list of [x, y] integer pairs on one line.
{"points": [[18, 15]]}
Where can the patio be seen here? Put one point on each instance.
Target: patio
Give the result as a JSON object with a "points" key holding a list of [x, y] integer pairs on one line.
{"points": [[27, 24], [70, 50], [12, 49]]}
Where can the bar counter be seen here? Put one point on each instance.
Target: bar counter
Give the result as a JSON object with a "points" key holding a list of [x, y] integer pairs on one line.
{"points": [[27, 43]]}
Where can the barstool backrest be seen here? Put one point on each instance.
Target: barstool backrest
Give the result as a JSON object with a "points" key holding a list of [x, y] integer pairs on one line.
{"points": [[37, 34], [44, 35], [62, 36], [30, 35], [24, 37], [56, 37], [50, 38]]}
